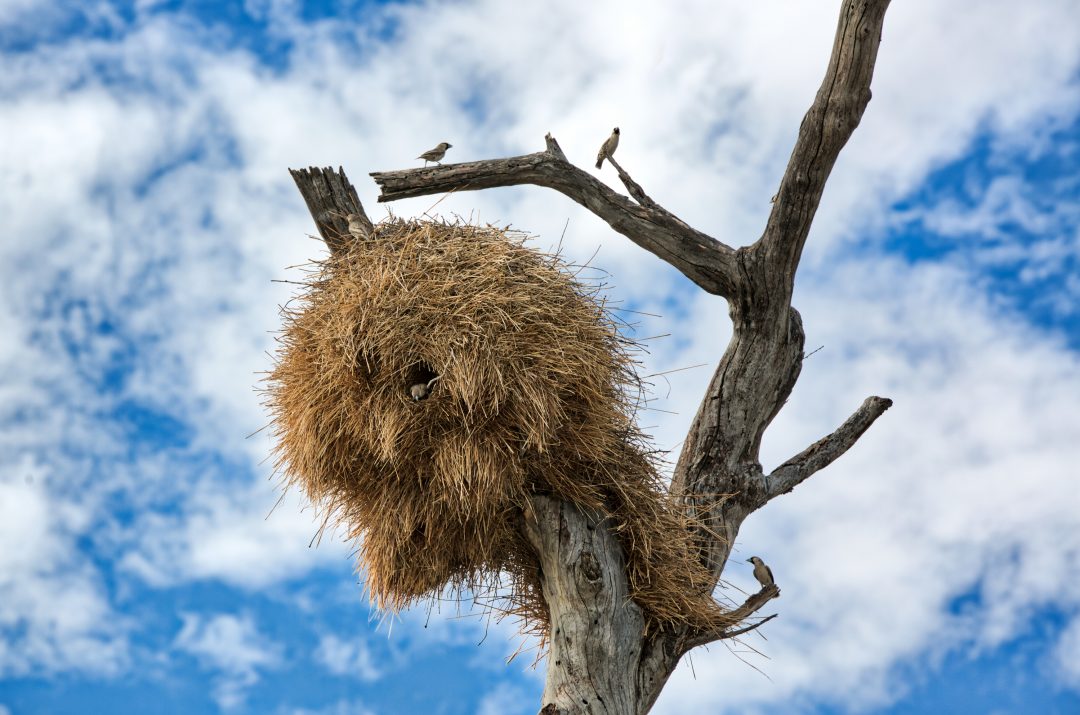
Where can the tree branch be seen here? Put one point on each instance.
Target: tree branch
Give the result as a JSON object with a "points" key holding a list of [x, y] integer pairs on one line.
{"points": [[660, 654], [554, 148], [762, 362], [751, 606], [759, 369], [826, 450], [707, 262], [330, 197], [746, 629], [634, 188], [826, 128], [705, 639]]}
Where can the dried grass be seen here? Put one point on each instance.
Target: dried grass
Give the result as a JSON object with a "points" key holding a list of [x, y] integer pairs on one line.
{"points": [[536, 393]]}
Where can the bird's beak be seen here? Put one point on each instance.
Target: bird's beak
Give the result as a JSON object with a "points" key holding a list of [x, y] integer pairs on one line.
{"points": [[749, 561]]}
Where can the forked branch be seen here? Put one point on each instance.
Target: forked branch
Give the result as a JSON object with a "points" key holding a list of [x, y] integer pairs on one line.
{"points": [[634, 188], [826, 128], [701, 258], [752, 605], [757, 373]]}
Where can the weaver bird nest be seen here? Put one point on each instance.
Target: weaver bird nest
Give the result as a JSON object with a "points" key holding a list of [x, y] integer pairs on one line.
{"points": [[532, 391]]}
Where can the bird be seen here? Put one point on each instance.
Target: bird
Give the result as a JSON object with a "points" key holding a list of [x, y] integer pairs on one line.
{"points": [[358, 227], [762, 572], [421, 390], [608, 147], [435, 154]]}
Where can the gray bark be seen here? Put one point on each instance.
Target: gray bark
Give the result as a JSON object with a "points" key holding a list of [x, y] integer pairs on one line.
{"points": [[701, 258], [330, 198], [595, 627], [600, 662]]}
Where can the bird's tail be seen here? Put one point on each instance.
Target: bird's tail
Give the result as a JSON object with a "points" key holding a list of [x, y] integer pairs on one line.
{"points": [[599, 162]]}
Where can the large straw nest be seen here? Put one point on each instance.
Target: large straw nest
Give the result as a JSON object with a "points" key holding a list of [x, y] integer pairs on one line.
{"points": [[535, 394]]}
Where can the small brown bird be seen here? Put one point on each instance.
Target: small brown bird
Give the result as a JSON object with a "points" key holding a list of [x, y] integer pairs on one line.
{"points": [[762, 572], [435, 154], [421, 390], [358, 227], [608, 147]]}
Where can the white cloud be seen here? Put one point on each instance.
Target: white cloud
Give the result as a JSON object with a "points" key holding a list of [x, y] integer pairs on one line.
{"points": [[505, 699], [1067, 655], [1013, 224], [341, 707], [350, 657], [246, 538], [232, 646], [54, 615]]}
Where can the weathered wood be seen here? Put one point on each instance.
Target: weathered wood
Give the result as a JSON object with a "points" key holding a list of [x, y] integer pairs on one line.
{"points": [[330, 197], [826, 450], [701, 258], [720, 454], [764, 358], [826, 128], [596, 628], [632, 187]]}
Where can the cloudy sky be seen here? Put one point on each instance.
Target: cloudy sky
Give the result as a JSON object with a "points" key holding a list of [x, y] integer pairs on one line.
{"points": [[146, 213]]}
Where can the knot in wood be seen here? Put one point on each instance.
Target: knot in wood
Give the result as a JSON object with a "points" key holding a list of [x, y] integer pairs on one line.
{"points": [[589, 568]]}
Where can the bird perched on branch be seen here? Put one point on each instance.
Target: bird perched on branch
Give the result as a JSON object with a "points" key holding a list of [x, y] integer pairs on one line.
{"points": [[421, 390], [435, 154], [607, 149], [762, 572]]}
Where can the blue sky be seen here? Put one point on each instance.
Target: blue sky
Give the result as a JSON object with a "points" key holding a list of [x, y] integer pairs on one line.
{"points": [[146, 213]]}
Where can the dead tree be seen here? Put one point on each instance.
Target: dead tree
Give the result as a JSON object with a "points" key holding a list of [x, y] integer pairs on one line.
{"points": [[599, 660]]}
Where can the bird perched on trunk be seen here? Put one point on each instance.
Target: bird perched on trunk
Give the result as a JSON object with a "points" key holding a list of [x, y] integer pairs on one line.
{"points": [[762, 572], [608, 147], [359, 226], [421, 390], [435, 154]]}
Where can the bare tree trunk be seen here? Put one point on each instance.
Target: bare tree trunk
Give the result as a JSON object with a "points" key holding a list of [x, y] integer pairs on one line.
{"points": [[595, 627], [600, 659]]}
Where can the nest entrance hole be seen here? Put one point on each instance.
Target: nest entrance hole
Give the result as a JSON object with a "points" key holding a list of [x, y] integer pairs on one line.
{"points": [[421, 372], [421, 378]]}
